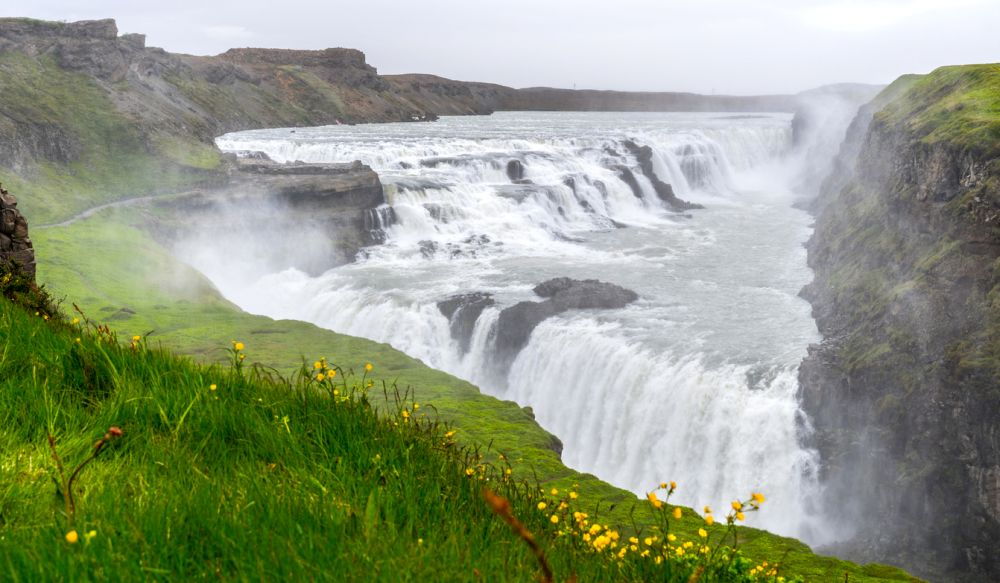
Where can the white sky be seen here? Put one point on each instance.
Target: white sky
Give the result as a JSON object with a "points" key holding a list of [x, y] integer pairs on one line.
{"points": [[722, 46]]}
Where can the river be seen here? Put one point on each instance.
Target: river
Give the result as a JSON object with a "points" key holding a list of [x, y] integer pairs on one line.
{"points": [[695, 382]]}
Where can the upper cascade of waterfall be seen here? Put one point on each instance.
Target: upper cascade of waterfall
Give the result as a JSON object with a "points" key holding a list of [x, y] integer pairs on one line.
{"points": [[461, 188]]}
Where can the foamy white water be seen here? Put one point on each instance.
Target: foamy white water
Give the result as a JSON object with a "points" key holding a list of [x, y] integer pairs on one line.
{"points": [[695, 382]]}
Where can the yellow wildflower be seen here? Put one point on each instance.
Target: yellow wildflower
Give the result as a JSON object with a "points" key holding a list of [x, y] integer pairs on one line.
{"points": [[136, 338], [673, 485], [469, 471], [317, 365], [702, 533], [671, 537], [737, 505], [601, 542], [677, 513], [320, 377], [238, 346], [72, 537], [573, 495], [554, 492], [450, 433], [416, 406], [708, 510], [212, 387], [542, 505], [709, 520], [368, 367], [554, 519], [758, 497], [76, 321], [654, 500], [740, 516]]}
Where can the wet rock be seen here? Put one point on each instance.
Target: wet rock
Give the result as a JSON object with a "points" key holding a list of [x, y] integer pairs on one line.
{"points": [[515, 170], [626, 176], [644, 155], [516, 323], [462, 312]]}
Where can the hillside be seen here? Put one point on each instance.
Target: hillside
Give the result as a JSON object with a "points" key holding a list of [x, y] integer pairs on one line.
{"points": [[903, 389], [90, 117]]}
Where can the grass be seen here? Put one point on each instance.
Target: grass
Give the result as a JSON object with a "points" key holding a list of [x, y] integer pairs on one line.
{"points": [[957, 105], [91, 152], [171, 305]]}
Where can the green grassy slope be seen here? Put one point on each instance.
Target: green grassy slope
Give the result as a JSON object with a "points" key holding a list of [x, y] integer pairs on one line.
{"points": [[957, 105], [98, 154], [232, 477], [179, 309]]}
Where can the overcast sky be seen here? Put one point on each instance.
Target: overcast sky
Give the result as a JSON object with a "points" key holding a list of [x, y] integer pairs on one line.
{"points": [[721, 46]]}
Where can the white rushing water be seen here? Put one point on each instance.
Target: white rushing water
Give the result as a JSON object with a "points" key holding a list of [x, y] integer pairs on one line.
{"points": [[695, 382]]}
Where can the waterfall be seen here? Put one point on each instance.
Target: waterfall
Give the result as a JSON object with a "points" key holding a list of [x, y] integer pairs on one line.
{"points": [[695, 382]]}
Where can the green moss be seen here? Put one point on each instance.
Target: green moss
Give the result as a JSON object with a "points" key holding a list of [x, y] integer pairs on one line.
{"points": [[954, 105]]}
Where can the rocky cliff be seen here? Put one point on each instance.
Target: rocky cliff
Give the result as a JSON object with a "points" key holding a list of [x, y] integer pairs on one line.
{"points": [[15, 246], [311, 217], [904, 391]]}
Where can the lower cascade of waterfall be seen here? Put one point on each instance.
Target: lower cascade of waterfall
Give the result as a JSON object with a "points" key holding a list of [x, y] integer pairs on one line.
{"points": [[696, 381]]}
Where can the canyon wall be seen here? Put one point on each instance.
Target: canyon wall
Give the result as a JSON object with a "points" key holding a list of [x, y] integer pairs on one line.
{"points": [[904, 391]]}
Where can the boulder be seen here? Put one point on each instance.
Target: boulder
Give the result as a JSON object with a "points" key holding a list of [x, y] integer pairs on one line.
{"points": [[515, 171], [516, 323], [15, 246]]}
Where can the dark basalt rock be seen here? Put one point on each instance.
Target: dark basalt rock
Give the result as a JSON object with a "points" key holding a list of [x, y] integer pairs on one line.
{"points": [[15, 246], [644, 155], [515, 170], [516, 323], [462, 312], [626, 176]]}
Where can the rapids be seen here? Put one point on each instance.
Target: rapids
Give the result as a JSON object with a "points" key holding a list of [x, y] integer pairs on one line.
{"points": [[695, 382]]}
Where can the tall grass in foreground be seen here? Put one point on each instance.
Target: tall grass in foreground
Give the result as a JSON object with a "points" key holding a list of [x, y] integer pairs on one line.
{"points": [[236, 473]]}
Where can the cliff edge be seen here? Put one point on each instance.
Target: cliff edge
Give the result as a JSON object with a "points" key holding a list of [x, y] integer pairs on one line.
{"points": [[904, 390]]}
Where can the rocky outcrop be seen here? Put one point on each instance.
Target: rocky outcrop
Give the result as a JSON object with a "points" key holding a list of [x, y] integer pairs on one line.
{"points": [[665, 192], [903, 391], [462, 312], [515, 324], [15, 246], [310, 217]]}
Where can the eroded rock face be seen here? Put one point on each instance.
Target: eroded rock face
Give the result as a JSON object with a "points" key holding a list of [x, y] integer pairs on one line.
{"points": [[644, 155], [902, 391], [15, 246], [462, 312], [516, 323], [308, 216]]}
